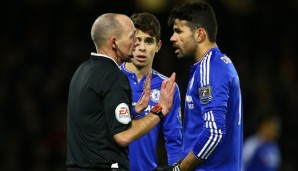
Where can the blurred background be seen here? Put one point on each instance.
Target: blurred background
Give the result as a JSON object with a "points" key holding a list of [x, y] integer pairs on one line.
{"points": [[44, 41]]}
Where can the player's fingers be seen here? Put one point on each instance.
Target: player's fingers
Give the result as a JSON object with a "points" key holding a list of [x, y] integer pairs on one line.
{"points": [[163, 84], [147, 83], [173, 77], [170, 83]]}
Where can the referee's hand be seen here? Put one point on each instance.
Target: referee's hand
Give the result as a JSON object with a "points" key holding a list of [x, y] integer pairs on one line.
{"points": [[167, 93]]}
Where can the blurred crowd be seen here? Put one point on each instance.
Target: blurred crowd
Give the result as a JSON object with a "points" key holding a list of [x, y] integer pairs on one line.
{"points": [[43, 42]]}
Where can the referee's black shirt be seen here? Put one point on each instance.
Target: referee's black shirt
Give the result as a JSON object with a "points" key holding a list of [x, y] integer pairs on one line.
{"points": [[96, 89]]}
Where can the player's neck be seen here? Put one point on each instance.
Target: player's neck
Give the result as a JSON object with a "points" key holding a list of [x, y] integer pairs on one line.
{"points": [[203, 49], [139, 71]]}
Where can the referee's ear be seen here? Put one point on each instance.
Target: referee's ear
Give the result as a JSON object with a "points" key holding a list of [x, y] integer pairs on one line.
{"points": [[112, 42]]}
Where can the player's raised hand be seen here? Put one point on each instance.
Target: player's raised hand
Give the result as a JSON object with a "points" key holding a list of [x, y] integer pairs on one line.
{"points": [[167, 94], [145, 98]]}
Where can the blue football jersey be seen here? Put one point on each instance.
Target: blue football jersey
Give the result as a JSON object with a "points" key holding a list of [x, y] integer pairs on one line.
{"points": [[259, 155], [213, 127], [142, 152]]}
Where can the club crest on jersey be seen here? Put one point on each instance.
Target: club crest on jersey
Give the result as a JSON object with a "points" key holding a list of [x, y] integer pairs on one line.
{"points": [[122, 113], [205, 94], [154, 95]]}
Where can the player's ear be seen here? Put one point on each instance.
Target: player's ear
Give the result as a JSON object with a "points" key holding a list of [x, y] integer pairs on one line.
{"points": [[200, 34], [159, 43]]}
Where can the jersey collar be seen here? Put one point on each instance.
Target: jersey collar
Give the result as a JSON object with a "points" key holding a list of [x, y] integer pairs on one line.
{"points": [[105, 56]]}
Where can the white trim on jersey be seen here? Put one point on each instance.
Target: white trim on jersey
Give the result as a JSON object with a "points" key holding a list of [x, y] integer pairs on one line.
{"points": [[205, 70], [215, 136], [240, 107], [159, 74]]}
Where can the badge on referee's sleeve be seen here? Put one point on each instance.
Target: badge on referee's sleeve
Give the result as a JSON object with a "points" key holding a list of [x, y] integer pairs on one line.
{"points": [[122, 113], [205, 94]]}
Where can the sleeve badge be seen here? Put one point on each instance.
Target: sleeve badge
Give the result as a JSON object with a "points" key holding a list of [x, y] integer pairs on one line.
{"points": [[205, 94], [122, 113]]}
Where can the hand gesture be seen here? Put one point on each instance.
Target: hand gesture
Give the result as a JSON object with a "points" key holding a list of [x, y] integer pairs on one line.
{"points": [[145, 98], [167, 94]]}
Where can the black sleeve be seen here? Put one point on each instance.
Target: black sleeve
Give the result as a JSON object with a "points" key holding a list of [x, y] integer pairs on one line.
{"points": [[117, 102]]}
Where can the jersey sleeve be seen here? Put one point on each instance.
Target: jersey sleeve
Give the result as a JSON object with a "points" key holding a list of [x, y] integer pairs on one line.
{"points": [[213, 88], [172, 130], [117, 103]]}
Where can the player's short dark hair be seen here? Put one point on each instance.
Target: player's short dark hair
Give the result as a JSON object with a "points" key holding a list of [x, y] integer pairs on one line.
{"points": [[197, 14], [147, 23]]}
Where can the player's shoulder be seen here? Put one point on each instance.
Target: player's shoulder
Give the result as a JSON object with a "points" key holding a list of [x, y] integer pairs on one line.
{"points": [[220, 58], [158, 75], [217, 61], [158, 78]]}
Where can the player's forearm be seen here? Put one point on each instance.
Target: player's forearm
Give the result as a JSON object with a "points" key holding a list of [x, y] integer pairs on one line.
{"points": [[138, 129], [189, 162], [173, 142]]}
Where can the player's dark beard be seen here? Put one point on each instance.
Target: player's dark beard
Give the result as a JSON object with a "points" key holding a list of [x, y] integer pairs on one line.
{"points": [[190, 50]]}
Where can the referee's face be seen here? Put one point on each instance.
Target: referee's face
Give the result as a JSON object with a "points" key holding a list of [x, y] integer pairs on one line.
{"points": [[128, 41]]}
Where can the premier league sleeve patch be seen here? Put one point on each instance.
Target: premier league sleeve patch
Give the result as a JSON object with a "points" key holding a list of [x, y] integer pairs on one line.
{"points": [[122, 113], [205, 94]]}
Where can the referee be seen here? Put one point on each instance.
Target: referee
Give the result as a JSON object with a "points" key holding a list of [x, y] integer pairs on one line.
{"points": [[99, 126]]}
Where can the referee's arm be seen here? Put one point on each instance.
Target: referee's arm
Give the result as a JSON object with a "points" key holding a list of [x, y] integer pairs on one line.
{"points": [[143, 126]]}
